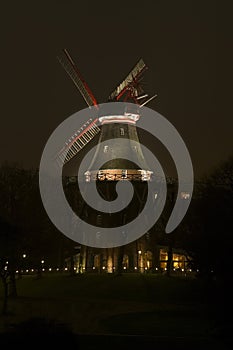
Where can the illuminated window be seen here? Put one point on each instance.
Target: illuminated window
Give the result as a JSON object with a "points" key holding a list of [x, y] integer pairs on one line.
{"points": [[124, 174], [163, 258], [179, 261], [163, 254], [122, 131], [148, 259], [109, 264]]}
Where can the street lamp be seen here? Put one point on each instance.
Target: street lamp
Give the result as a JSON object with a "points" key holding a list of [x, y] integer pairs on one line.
{"points": [[24, 256]]}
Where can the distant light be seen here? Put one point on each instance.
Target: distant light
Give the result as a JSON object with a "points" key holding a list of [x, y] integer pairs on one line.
{"points": [[145, 268], [182, 270], [84, 268], [16, 271], [21, 271], [135, 268], [165, 269], [6, 262], [75, 268], [185, 195], [174, 269], [50, 269], [32, 270], [66, 268], [5, 268], [197, 270], [26, 270], [156, 268], [93, 267], [24, 255], [113, 267], [57, 269], [124, 267], [190, 270], [103, 267], [43, 269], [42, 261], [139, 252]]}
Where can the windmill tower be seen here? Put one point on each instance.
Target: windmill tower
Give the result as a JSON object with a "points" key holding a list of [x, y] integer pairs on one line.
{"points": [[111, 126]]}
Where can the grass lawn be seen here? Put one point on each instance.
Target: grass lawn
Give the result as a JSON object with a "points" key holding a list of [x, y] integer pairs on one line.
{"points": [[131, 304]]}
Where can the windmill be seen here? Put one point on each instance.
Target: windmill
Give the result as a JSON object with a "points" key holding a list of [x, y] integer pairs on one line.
{"points": [[130, 89], [110, 127]]}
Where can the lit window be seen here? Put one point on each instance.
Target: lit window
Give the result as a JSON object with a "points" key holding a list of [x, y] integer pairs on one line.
{"points": [[122, 131], [124, 174]]}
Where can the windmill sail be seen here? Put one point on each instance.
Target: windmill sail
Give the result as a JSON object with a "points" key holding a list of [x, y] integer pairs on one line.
{"points": [[131, 79], [77, 141], [72, 70]]}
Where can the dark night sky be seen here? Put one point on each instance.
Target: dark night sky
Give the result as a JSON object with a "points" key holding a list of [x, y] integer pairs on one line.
{"points": [[186, 44]]}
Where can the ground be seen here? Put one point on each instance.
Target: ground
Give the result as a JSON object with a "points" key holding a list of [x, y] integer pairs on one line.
{"points": [[137, 308]]}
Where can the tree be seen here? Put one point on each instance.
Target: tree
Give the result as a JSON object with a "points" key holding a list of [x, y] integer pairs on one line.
{"points": [[8, 233], [28, 228], [208, 224]]}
